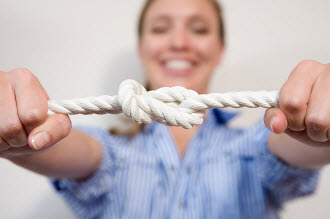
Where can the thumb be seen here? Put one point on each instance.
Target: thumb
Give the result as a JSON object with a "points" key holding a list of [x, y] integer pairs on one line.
{"points": [[55, 128], [275, 120]]}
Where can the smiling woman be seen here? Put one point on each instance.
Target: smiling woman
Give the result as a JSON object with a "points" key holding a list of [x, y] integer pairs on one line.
{"points": [[180, 43], [210, 171]]}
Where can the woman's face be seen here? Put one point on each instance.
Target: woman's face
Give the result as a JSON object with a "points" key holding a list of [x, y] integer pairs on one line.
{"points": [[180, 44]]}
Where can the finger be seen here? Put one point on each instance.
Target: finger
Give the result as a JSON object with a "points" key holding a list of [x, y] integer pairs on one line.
{"points": [[18, 151], [11, 128], [317, 117], [275, 120], [55, 128], [45, 93], [31, 100], [3, 144], [303, 137], [295, 93]]}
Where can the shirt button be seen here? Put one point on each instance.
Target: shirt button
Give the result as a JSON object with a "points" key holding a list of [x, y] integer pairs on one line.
{"points": [[188, 170], [227, 153], [121, 160], [181, 204]]}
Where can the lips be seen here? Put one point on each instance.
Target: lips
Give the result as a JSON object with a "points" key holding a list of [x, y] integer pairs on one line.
{"points": [[178, 67], [178, 64]]}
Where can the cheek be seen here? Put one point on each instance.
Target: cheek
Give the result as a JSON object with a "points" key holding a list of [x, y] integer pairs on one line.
{"points": [[208, 49], [150, 50], [151, 47]]}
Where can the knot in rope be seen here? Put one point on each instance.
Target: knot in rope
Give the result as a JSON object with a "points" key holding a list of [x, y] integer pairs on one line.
{"points": [[174, 106], [130, 95], [162, 105]]}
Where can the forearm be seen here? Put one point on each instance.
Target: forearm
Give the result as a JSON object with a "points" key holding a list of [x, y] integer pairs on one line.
{"points": [[77, 156], [298, 154]]}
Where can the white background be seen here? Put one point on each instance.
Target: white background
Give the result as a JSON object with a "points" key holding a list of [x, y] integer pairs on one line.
{"points": [[86, 48]]}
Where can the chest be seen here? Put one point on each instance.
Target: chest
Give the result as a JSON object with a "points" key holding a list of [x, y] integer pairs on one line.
{"points": [[208, 183]]}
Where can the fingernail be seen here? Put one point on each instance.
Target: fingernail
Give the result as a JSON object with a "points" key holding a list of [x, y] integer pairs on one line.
{"points": [[40, 140], [272, 120]]}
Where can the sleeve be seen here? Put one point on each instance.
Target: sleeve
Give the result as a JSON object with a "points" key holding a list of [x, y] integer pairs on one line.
{"points": [[88, 198], [281, 181]]}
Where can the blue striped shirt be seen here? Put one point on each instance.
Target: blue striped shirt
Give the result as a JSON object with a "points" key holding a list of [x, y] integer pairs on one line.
{"points": [[225, 173]]}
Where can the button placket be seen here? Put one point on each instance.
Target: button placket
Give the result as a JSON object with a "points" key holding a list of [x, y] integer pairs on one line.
{"points": [[181, 204], [188, 169]]}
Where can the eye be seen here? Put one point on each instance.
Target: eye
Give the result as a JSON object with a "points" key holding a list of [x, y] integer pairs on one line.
{"points": [[159, 29], [159, 26], [199, 29]]}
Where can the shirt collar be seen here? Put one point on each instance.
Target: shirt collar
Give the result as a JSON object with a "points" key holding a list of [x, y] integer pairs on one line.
{"points": [[221, 117]]}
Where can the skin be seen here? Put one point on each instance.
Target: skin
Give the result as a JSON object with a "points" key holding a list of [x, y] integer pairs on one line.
{"points": [[303, 116], [180, 30], [174, 29]]}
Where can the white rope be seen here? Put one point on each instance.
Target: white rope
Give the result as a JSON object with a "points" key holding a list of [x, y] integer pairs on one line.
{"points": [[175, 106]]}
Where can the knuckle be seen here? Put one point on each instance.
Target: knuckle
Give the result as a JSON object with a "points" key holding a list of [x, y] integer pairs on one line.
{"points": [[308, 64], [315, 122], [11, 130], [34, 116], [20, 70], [4, 76], [293, 104], [24, 73]]}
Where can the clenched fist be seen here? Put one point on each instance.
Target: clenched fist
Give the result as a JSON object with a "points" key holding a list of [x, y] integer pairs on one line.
{"points": [[24, 125], [304, 105]]}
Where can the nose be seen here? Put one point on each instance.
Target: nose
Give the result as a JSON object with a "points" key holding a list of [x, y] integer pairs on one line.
{"points": [[180, 40]]}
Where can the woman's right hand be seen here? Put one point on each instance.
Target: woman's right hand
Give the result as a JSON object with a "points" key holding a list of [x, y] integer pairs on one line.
{"points": [[25, 127]]}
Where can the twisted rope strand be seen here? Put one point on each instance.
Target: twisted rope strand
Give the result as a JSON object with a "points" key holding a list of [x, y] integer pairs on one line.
{"points": [[173, 106]]}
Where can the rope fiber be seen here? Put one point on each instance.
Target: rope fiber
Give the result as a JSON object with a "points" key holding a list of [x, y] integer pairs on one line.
{"points": [[172, 106]]}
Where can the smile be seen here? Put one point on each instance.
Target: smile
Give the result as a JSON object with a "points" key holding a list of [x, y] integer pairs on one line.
{"points": [[178, 67], [178, 64]]}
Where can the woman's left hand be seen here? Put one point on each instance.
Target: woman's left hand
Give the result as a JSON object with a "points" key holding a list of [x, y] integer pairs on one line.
{"points": [[304, 105]]}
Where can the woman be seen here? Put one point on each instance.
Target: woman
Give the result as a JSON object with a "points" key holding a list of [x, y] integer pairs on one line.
{"points": [[210, 171]]}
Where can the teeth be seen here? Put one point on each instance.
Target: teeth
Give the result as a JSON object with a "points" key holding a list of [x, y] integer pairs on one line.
{"points": [[178, 64]]}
